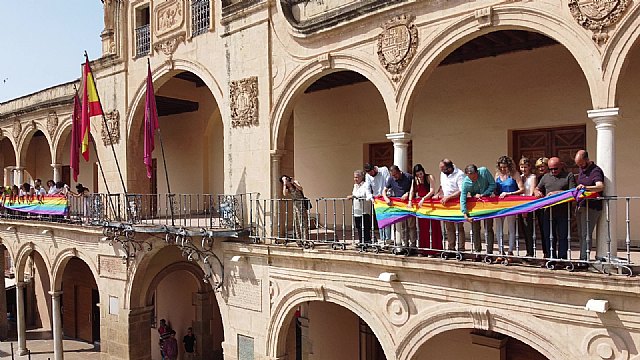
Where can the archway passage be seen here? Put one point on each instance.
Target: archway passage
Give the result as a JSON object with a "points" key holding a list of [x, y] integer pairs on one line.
{"points": [[192, 135], [474, 344], [7, 160], [330, 331], [89, 173], [80, 301], [37, 158]]}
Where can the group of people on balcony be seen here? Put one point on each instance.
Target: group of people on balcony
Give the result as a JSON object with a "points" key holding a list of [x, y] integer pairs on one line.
{"points": [[28, 193], [548, 177]]}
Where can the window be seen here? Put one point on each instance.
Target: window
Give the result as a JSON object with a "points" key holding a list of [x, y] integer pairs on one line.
{"points": [[143, 31], [200, 17]]}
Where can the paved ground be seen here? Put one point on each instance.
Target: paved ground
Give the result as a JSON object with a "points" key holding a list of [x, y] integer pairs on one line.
{"points": [[42, 349]]}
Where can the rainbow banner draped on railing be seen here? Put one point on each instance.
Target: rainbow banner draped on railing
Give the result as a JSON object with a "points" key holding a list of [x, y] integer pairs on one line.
{"points": [[48, 205], [485, 208]]}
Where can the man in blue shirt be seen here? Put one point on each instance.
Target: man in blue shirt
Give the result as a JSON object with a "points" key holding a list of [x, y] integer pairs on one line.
{"points": [[478, 183], [398, 185]]}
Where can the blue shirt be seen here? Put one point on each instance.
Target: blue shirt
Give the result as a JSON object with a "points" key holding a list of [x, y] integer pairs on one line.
{"points": [[401, 186], [485, 185]]}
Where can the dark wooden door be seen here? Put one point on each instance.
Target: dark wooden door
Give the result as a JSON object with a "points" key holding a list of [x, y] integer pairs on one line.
{"points": [[562, 142], [381, 154], [66, 174], [84, 313]]}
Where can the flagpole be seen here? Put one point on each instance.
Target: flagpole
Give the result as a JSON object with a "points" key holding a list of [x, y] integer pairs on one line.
{"points": [[164, 162], [106, 186], [106, 126]]}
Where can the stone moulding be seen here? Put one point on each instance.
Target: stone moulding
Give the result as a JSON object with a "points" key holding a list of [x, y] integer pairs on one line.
{"points": [[397, 44], [244, 102], [52, 122], [168, 46], [112, 128], [331, 17], [598, 15]]}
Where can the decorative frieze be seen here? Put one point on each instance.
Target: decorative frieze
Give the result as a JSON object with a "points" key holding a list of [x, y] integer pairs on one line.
{"points": [[112, 128], [396, 309], [169, 16], [598, 15], [52, 123], [397, 44], [244, 102], [17, 129], [168, 46]]}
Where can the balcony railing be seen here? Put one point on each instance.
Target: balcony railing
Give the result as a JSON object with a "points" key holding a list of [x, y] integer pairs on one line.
{"points": [[200, 17], [197, 211], [143, 40], [330, 222]]}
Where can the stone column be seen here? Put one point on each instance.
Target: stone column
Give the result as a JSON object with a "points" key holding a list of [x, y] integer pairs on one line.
{"points": [[4, 325], [57, 172], [138, 342], [20, 319], [400, 149], [276, 160], [18, 175], [605, 120], [58, 350], [202, 325], [8, 172]]}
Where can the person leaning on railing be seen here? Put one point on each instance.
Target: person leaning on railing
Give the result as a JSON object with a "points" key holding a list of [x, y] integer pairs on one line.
{"points": [[361, 195], [525, 221], [590, 178], [291, 188]]}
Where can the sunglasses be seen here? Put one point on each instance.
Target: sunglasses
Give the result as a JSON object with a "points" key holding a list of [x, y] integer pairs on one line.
{"points": [[553, 169]]}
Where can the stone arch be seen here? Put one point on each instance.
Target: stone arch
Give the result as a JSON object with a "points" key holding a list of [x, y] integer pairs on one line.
{"points": [[60, 137], [9, 248], [25, 139], [512, 17], [162, 74], [60, 262], [616, 51], [12, 141], [441, 318], [21, 259], [282, 314], [192, 269], [307, 74]]}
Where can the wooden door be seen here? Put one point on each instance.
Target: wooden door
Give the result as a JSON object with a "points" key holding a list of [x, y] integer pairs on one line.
{"points": [[381, 154], [84, 313], [66, 174], [562, 142]]}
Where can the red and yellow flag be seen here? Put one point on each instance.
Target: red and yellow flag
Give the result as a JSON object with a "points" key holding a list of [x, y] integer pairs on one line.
{"points": [[90, 107]]}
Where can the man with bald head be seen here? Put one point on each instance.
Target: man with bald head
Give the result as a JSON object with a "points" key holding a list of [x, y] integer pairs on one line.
{"points": [[556, 218], [590, 178]]}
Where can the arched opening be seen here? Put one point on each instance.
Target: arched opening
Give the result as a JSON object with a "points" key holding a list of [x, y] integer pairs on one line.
{"points": [[173, 289], [330, 331], [475, 344], [36, 158], [88, 175], [508, 92], [81, 302], [192, 135], [7, 160], [340, 115], [37, 300]]}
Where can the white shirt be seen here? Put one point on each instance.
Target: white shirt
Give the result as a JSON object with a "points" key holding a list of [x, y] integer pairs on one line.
{"points": [[528, 191], [361, 199], [452, 182], [377, 183]]}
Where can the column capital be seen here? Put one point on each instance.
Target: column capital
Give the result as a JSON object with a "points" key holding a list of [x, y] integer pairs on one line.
{"points": [[277, 154], [18, 168], [56, 165], [55, 293], [604, 117], [401, 137]]}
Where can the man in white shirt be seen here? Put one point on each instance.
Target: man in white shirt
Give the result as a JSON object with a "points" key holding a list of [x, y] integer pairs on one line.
{"points": [[377, 177], [450, 185]]}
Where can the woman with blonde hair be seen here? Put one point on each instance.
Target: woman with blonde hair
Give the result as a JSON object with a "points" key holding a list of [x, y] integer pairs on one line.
{"points": [[525, 221], [508, 183]]}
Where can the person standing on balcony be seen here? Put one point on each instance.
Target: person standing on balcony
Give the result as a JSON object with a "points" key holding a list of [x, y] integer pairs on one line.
{"points": [[555, 218], [376, 179], [542, 167], [422, 187], [361, 195], [526, 220], [590, 178], [39, 189], [508, 183], [52, 188], [399, 185], [291, 188], [478, 183], [450, 185]]}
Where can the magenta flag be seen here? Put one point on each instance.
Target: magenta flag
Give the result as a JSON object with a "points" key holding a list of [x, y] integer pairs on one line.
{"points": [[150, 123], [76, 130]]}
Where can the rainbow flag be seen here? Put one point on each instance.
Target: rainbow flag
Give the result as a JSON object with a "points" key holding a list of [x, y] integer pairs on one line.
{"points": [[49, 205], [485, 208]]}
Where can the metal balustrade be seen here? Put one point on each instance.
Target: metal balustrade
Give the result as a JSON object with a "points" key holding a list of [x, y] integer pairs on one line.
{"points": [[200, 17], [143, 40], [330, 223]]}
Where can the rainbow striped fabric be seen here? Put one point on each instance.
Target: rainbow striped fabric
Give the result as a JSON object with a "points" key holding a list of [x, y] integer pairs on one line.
{"points": [[50, 205], [485, 208]]}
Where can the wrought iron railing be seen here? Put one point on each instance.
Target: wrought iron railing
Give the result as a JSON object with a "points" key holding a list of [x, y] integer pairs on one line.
{"points": [[143, 40], [200, 17], [330, 222]]}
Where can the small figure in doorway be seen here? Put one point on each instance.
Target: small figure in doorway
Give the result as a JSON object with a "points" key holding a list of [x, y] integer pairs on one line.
{"points": [[189, 342], [170, 346]]}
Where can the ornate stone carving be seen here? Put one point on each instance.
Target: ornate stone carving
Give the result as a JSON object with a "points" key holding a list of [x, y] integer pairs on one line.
{"points": [[244, 102], [481, 318], [274, 291], [397, 44], [484, 17], [169, 16], [169, 46], [17, 129], [598, 15], [396, 309], [52, 122], [112, 127], [605, 344]]}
